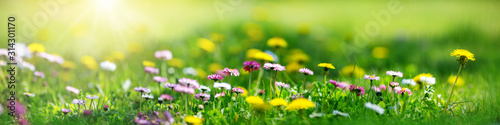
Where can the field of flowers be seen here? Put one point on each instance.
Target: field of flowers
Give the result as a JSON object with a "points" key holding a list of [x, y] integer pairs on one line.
{"points": [[256, 72]]}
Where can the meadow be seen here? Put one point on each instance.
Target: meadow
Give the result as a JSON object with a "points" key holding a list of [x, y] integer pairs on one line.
{"points": [[263, 71]]}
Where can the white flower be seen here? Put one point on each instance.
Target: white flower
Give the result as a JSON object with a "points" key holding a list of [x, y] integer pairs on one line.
{"points": [[75, 101], [222, 85], [190, 71], [408, 82], [92, 97], [126, 84], [394, 73], [29, 94], [396, 89], [204, 88], [336, 112], [428, 80], [316, 115], [148, 96], [27, 65], [106, 65], [375, 108], [163, 55]]}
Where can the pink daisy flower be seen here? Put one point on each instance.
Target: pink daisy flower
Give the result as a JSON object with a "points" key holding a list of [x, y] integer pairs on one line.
{"points": [[306, 71], [151, 70], [232, 72], [250, 66], [159, 79], [215, 77], [163, 55]]}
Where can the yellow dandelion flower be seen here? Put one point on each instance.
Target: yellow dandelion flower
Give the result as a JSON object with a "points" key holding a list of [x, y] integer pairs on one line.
{"points": [[36, 47], [245, 91], [193, 120], [326, 65], [380, 52], [462, 53], [254, 100], [278, 102], [263, 56], [352, 70], [68, 65], [134, 47], [89, 62], [460, 80], [175, 62], [293, 67], [148, 63], [206, 45], [118, 56], [277, 42], [417, 78], [217, 37], [299, 104], [251, 53]]}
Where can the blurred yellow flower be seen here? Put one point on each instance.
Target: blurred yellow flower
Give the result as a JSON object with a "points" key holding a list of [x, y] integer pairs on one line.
{"points": [[245, 91], [217, 37], [148, 63], [462, 53], [251, 53], [36, 47], [417, 78], [460, 80], [43, 35], [254, 31], [352, 70], [214, 67], [201, 73], [175, 62], [263, 56], [193, 120], [278, 102], [326, 65], [243, 72], [293, 67], [298, 57], [277, 42], [206, 45], [134, 47], [299, 104], [260, 107], [68, 65], [380, 52], [118, 55], [89, 62], [254, 100]]}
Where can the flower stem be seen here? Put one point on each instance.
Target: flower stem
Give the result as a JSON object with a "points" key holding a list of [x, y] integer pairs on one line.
{"points": [[250, 82], [452, 89]]}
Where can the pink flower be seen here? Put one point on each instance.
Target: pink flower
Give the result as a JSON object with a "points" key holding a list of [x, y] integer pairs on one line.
{"points": [[215, 77], [251, 66], [142, 90], [202, 96], [65, 111], [184, 89], [404, 91], [394, 73], [306, 71], [382, 87], [281, 84], [163, 55], [219, 95], [166, 97], [393, 84], [170, 85], [159, 79], [39, 74], [371, 77], [189, 82], [151, 70], [357, 89], [274, 66], [237, 90], [232, 72], [376, 89], [72, 89]]}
